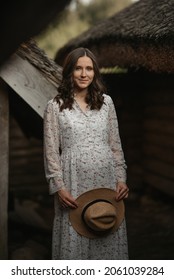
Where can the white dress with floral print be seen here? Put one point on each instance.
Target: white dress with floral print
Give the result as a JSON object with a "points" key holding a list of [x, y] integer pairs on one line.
{"points": [[91, 157]]}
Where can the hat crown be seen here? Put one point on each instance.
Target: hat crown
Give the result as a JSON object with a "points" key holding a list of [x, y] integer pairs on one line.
{"points": [[100, 216]]}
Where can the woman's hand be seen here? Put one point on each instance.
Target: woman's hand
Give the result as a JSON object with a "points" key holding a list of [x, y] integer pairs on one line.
{"points": [[122, 191], [66, 199]]}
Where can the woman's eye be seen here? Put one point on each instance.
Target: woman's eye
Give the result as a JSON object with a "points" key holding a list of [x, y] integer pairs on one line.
{"points": [[89, 68], [77, 68]]}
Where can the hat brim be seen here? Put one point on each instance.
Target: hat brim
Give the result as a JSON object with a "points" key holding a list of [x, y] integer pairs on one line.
{"points": [[87, 197]]}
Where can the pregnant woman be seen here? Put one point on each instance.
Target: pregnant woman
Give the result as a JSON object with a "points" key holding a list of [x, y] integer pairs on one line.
{"points": [[82, 153]]}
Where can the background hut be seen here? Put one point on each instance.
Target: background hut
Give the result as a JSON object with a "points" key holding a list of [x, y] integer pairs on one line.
{"points": [[139, 39], [139, 36]]}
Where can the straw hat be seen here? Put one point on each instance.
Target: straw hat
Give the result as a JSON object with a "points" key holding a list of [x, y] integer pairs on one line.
{"points": [[97, 214]]}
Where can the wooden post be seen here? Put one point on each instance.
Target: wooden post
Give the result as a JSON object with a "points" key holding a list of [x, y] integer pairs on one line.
{"points": [[4, 166]]}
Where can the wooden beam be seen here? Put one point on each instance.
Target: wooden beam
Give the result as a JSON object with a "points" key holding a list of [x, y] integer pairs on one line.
{"points": [[159, 152], [159, 167], [159, 139], [159, 182], [158, 126], [28, 82], [4, 169]]}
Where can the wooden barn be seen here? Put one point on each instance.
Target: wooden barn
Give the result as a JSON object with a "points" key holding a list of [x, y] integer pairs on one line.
{"points": [[140, 40]]}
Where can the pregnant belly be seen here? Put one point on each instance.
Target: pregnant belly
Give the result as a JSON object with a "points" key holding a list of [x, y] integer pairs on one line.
{"points": [[89, 168], [96, 159], [85, 159]]}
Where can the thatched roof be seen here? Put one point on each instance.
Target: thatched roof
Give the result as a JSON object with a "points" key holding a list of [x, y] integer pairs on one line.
{"points": [[34, 77], [39, 59], [140, 36]]}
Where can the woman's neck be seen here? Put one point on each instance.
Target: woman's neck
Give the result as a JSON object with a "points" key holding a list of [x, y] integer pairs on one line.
{"points": [[80, 94]]}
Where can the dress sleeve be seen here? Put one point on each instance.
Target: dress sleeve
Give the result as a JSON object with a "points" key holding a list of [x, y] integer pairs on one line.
{"points": [[52, 162], [115, 143]]}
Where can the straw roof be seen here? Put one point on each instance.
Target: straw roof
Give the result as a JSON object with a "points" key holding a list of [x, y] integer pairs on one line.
{"points": [[30, 51], [34, 77], [140, 36]]}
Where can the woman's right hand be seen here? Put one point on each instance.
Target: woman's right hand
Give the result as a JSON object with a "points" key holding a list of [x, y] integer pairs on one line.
{"points": [[66, 199]]}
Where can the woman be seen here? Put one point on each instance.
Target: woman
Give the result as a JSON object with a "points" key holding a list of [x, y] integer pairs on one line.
{"points": [[83, 152]]}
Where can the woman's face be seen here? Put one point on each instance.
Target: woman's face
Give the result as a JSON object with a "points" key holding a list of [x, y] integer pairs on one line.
{"points": [[83, 73]]}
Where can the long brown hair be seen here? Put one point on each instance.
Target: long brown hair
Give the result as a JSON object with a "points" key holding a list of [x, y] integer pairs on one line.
{"points": [[65, 95]]}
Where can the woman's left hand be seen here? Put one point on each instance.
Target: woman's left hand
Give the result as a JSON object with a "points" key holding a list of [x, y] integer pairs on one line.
{"points": [[122, 191]]}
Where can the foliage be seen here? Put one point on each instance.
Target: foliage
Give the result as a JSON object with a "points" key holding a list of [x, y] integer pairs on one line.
{"points": [[99, 9], [74, 20]]}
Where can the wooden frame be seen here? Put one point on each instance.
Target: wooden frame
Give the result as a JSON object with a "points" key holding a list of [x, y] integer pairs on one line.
{"points": [[4, 169]]}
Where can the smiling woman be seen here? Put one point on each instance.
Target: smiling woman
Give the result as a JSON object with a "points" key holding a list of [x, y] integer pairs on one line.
{"points": [[83, 75], [83, 153], [77, 64]]}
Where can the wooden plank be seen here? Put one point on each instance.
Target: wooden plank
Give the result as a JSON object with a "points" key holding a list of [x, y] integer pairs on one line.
{"points": [[28, 83], [159, 182], [4, 169], [159, 96], [26, 179], [29, 151], [160, 111], [161, 139], [30, 189], [160, 126], [159, 152], [19, 143], [16, 163], [158, 167]]}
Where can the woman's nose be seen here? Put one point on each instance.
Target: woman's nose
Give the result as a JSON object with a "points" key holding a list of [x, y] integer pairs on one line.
{"points": [[83, 73]]}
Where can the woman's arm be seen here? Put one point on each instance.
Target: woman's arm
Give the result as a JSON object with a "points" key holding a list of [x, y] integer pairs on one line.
{"points": [[116, 147], [52, 163]]}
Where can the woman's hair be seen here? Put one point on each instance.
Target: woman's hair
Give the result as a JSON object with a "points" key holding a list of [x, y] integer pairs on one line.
{"points": [[96, 89]]}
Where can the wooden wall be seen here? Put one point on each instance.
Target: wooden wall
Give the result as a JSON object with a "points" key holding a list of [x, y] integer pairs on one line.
{"points": [[124, 90], [4, 168], [158, 134], [26, 169], [145, 108]]}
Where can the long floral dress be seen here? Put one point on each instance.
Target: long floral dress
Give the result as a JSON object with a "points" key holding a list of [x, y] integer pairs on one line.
{"points": [[91, 157]]}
